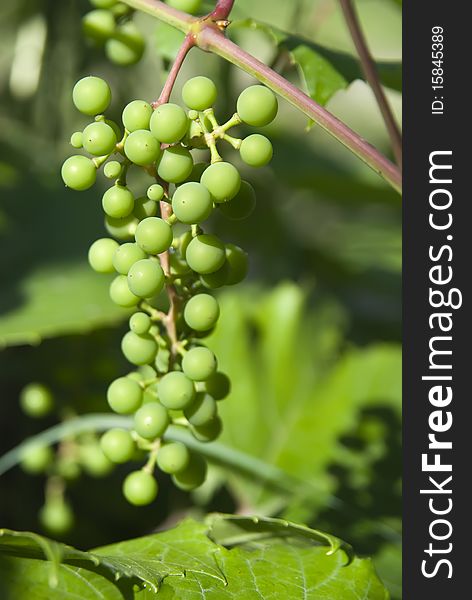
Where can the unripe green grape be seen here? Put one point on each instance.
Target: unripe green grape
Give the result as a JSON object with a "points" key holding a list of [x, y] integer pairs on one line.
{"points": [[124, 396], [112, 169], [140, 488], [36, 400], [217, 279], [122, 229], [256, 150], [173, 457], [120, 293], [146, 278], [140, 323], [154, 235], [139, 349], [208, 432], [91, 95], [142, 148], [155, 192], [68, 468], [184, 241], [199, 363], [178, 266], [116, 128], [242, 205], [222, 180], [201, 312], [192, 203], [117, 445], [188, 6], [136, 115], [193, 475], [175, 390], [99, 139], [257, 106], [218, 386], [202, 410], [36, 458], [100, 255], [143, 208], [98, 25], [103, 3], [151, 421], [199, 93], [127, 45], [238, 262], [56, 517], [76, 139], [169, 123], [197, 172], [205, 254], [175, 164], [118, 202], [94, 461], [79, 173]]}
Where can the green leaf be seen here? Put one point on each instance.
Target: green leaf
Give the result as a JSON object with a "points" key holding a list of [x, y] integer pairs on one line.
{"points": [[225, 557]]}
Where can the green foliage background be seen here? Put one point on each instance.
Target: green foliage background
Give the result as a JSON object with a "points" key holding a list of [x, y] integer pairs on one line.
{"points": [[311, 341]]}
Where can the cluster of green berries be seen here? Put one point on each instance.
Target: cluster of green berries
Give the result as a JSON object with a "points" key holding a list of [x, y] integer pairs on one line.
{"points": [[157, 242]]}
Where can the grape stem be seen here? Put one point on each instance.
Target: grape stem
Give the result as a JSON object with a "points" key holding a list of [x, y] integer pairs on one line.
{"points": [[208, 35], [222, 10], [184, 49]]}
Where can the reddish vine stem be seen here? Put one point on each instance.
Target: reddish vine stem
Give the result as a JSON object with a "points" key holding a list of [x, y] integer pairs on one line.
{"points": [[184, 49], [222, 10], [370, 72]]}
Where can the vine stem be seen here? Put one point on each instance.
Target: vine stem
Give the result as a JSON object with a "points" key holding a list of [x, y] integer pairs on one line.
{"points": [[368, 66], [222, 10], [187, 44], [207, 36]]}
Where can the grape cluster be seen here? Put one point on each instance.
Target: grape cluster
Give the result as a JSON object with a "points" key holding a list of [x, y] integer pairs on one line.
{"points": [[158, 244]]}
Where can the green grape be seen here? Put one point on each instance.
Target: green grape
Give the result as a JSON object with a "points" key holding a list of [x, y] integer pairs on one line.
{"points": [[124, 396], [122, 229], [256, 150], [142, 148], [140, 488], [169, 123], [100, 255], [112, 170], [68, 468], [76, 139], [103, 3], [116, 128], [238, 262], [218, 386], [140, 323], [184, 241], [199, 93], [173, 457], [146, 278], [91, 95], [139, 349], [222, 180], [36, 458], [197, 172], [154, 235], [56, 517], [120, 293], [126, 256], [127, 45], [36, 400], [94, 461], [178, 266], [118, 445], [199, 363], [242, 205], [118, 202], [188, 6], [205, 254], [175, 164], [208, 432], [98, 25], [175, 390], [193, 475], [257, 106], [151, 421], [192, 203], [155, 192], [143, 208], [136, 115], [79, 173], [201, 312], [217, 279], [99, 139], [202, 410]]}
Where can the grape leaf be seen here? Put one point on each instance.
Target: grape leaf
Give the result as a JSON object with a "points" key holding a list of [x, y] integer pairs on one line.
{"points": [[225, 557]]}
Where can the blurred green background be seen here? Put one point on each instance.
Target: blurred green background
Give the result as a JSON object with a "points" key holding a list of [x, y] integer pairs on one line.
{"points": [[311, 341]]}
